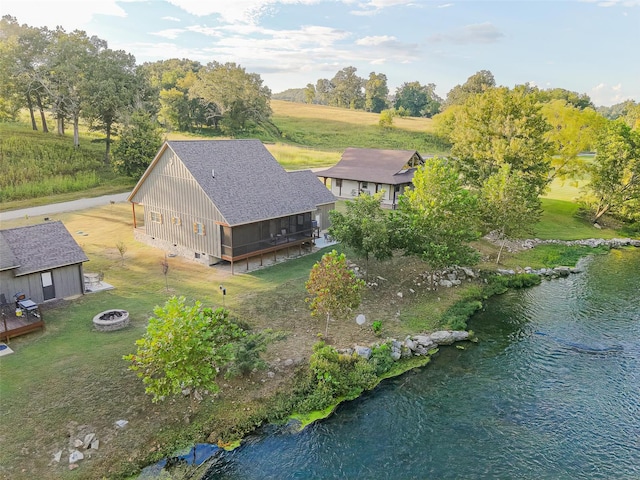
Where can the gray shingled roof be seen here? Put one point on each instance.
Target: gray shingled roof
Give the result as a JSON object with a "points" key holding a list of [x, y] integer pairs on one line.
{"points": [[7, 259], [248, 184], [42, 247], [372, 165], [309, 185]]}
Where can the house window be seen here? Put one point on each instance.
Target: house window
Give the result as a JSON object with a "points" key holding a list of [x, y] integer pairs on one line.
{"points": [[338, 182], [198, 228], [156, 217], [176, 220], [364, 185]]}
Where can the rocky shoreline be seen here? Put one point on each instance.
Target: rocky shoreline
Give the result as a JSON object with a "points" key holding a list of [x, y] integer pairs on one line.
{"points": [[526, 244]]}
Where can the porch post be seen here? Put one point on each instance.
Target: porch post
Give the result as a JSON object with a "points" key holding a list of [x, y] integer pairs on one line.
{"points": [[133, 207]]}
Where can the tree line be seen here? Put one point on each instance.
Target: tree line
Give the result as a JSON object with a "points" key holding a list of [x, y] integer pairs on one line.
{"points": [[74, 77]]}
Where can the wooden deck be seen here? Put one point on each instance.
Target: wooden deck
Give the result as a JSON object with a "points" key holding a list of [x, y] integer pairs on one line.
{"points": [[12, 326], [272, 248]]}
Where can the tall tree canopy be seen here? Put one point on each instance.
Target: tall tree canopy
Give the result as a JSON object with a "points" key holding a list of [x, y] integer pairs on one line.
{"points": [[615, 173], [234, 96], [347, 91], [476, 83], [437, 219], [509, 205], [573, 131], [173, 78], [137, 145], [575, 99], [111, 91], [376, 92], [363, 227], [419, 100], [23, 51], [497, 127]]}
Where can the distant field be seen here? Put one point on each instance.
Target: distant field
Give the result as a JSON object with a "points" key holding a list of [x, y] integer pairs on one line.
{"points": [[334, 129], [282, 108]]}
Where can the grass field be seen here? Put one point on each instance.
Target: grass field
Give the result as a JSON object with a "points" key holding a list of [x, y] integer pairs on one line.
{"points": [[332, 128]]}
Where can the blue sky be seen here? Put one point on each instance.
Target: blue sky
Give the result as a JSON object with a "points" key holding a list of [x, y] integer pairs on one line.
{"points": [[589, 46]]}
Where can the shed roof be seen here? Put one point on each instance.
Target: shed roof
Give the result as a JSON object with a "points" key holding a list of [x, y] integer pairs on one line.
{"points": [[373, 165], [41, 247], [241, 178], [309, 185], [7, 259]]}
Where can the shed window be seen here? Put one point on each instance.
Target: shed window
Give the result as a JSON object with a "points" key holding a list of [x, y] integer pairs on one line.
{"points": [[156, 217], [364, 185], [338, 182], [199, 228]]}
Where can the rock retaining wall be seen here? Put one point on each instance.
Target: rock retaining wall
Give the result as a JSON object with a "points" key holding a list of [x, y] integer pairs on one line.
{"points": [[415, 345]]}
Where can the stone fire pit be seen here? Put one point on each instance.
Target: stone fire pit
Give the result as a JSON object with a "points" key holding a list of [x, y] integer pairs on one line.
{"points": [[110, 320]]}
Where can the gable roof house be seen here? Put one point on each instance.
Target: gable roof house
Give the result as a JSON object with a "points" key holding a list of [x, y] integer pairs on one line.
{"points": [[368, 171], [42, 261], [213, 200]]}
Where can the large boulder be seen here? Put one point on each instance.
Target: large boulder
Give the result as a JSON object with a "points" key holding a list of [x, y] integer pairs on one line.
{"points": [[447, 337], [364, 352]]}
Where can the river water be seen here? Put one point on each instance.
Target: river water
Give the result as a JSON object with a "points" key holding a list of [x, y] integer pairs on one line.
{"points": [[552, 390]]}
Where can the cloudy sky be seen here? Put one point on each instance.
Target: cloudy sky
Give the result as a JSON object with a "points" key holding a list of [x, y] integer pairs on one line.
{"points": [[589, 46]]}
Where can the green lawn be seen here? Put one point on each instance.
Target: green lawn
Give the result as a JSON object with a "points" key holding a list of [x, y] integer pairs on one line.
{"points": [[560, 221]]}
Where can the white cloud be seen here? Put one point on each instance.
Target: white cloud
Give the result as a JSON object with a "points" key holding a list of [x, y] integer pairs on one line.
{"points": [[69, 13], [374, 7], [445, 5], [170, 33], [172, 19], [376, 40], [604, 94], [234, 11]]}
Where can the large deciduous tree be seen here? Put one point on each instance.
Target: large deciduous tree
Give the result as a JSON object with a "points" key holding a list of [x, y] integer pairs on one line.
{"points": [[110, 90], [23, 53], [574, 99], [615, 173], [363, 227], [347, 89], [509, 205], [183, 348], [235, 96], [173, 78], [437, 219], [137, 145], [335, 291], [71, 56], [476, 83], [376, 92], [419, 100], [573, 131], [498, 127]]}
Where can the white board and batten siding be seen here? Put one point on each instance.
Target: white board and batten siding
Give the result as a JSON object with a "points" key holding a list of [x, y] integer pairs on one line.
{"points": [[352, 188], [176, 202]]}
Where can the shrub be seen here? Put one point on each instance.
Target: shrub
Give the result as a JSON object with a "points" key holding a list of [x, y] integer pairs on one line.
{"points": [[377, 327], [381, 360]]}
